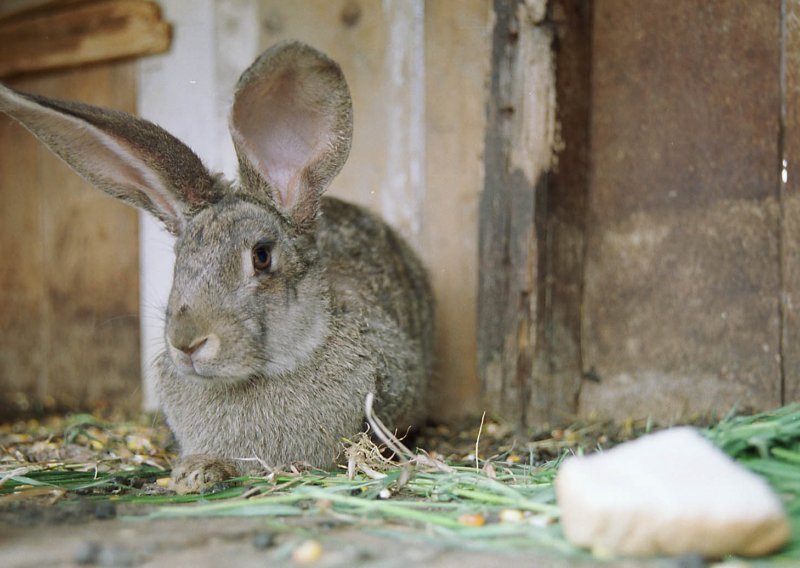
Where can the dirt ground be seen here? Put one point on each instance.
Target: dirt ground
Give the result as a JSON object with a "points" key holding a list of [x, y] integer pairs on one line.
{"points": [[229, 542]]}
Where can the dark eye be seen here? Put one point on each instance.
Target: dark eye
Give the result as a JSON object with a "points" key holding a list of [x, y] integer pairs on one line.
{"points": [[262, 257]]}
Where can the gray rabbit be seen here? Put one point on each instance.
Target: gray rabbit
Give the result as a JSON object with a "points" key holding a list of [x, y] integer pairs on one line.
{"points": [[287, 307]]}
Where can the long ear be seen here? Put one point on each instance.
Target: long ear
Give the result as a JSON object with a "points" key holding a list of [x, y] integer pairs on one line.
{"points": [[292, 124], [127, 157]]}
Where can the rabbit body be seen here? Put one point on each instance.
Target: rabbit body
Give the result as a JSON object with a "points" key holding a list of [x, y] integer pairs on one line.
{"points": [[362, 297], [287, 307]]}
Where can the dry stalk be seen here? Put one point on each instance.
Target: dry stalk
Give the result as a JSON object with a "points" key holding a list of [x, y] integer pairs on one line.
{"points": [[477, 444], [404, 456], [14, 473]]}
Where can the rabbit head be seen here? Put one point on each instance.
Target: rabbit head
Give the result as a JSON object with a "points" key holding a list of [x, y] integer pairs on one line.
{"points": [[249, 295]]}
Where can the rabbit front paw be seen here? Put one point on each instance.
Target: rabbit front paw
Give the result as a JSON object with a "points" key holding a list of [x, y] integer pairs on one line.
{"points": [[198, 473]]}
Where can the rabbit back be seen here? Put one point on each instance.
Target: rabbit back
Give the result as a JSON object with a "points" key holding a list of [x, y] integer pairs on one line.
{"points": [[376, 277]]}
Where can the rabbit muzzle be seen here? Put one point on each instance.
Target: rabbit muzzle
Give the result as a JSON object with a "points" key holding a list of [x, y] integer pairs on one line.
{"points": [[195, 357]]}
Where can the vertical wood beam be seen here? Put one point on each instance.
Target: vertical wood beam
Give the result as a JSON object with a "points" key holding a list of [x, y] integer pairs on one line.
{"points": [[561, 220], [518, 157], [790, 201], [188, 92]]}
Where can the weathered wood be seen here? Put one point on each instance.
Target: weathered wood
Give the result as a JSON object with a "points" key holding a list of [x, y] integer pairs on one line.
{"points": [[14, 8], [69, 308], [22, 300], [561, 221], [790, 204], [86, 33], [518, 154], [682, 276]]}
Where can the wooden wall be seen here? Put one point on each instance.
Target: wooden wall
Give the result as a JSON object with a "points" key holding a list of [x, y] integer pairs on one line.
{"points": [[685, 280], [69, 325], [69, 280], [649, 268], [789, 198]]}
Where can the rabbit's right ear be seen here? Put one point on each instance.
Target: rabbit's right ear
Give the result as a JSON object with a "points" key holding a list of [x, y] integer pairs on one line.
{"points": [[125, 156], [292, 125]]}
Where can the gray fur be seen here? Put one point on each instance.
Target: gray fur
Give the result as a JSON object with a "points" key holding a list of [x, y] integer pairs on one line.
{"points": [[273, 366]]}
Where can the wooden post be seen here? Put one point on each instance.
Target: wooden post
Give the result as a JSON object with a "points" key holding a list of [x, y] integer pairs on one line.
{"points": [[561, 221], [531, 225], [790, 203]]}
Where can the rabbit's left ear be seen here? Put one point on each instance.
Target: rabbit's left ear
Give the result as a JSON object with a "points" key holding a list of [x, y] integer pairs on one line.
{"points": [[292, 125], [125, 156]]}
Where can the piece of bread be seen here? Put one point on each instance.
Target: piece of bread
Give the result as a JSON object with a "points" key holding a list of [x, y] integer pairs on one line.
{"points": [[672, 492]]}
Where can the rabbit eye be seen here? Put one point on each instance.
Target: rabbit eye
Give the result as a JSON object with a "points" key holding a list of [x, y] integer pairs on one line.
{"points": [[262, 258]]}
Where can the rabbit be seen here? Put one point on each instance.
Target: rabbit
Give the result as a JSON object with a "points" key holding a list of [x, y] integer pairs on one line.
{"points": [[287, 307]]}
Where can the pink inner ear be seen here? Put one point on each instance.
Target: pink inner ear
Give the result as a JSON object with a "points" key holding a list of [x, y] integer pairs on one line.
{"points": [[283, 130]]}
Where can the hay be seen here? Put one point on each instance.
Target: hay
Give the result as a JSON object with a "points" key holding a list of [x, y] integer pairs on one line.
{"points": [[503, 503]]}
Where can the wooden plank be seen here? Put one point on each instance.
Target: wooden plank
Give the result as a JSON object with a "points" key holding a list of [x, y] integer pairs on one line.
{"points": [[457, 44], [22, 301], [518, 156], [82, 271], [14, 8], [81, 34], [561, 222], [790, 201], [682, 277]]}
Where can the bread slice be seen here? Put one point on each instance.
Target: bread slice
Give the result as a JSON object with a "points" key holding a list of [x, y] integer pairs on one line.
{"points": [[671, 492]]}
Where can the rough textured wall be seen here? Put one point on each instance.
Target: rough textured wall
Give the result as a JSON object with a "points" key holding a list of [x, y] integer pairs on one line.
{"points": [[683, 276]]}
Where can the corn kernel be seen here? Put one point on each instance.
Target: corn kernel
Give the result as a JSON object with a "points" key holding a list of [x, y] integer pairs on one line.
{"points": [[307, 552], [472, 520]]}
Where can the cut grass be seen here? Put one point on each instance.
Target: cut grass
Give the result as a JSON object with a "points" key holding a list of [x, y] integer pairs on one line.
{"points": [[456, 505]]}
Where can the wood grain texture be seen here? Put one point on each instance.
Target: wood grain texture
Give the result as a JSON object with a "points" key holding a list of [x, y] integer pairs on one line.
{"points": [[790, 202], [22, 300], [681, 306], [561, 221], [519, 142], [70, 312], [70, 35], [457, 44], [14, 8]]}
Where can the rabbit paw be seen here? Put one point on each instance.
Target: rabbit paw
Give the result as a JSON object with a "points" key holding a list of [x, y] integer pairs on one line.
{"points": [[198, 473]]}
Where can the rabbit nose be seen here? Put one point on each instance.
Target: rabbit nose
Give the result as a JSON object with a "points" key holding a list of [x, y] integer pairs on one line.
{"points": [[194, 347], [198, 351]]}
